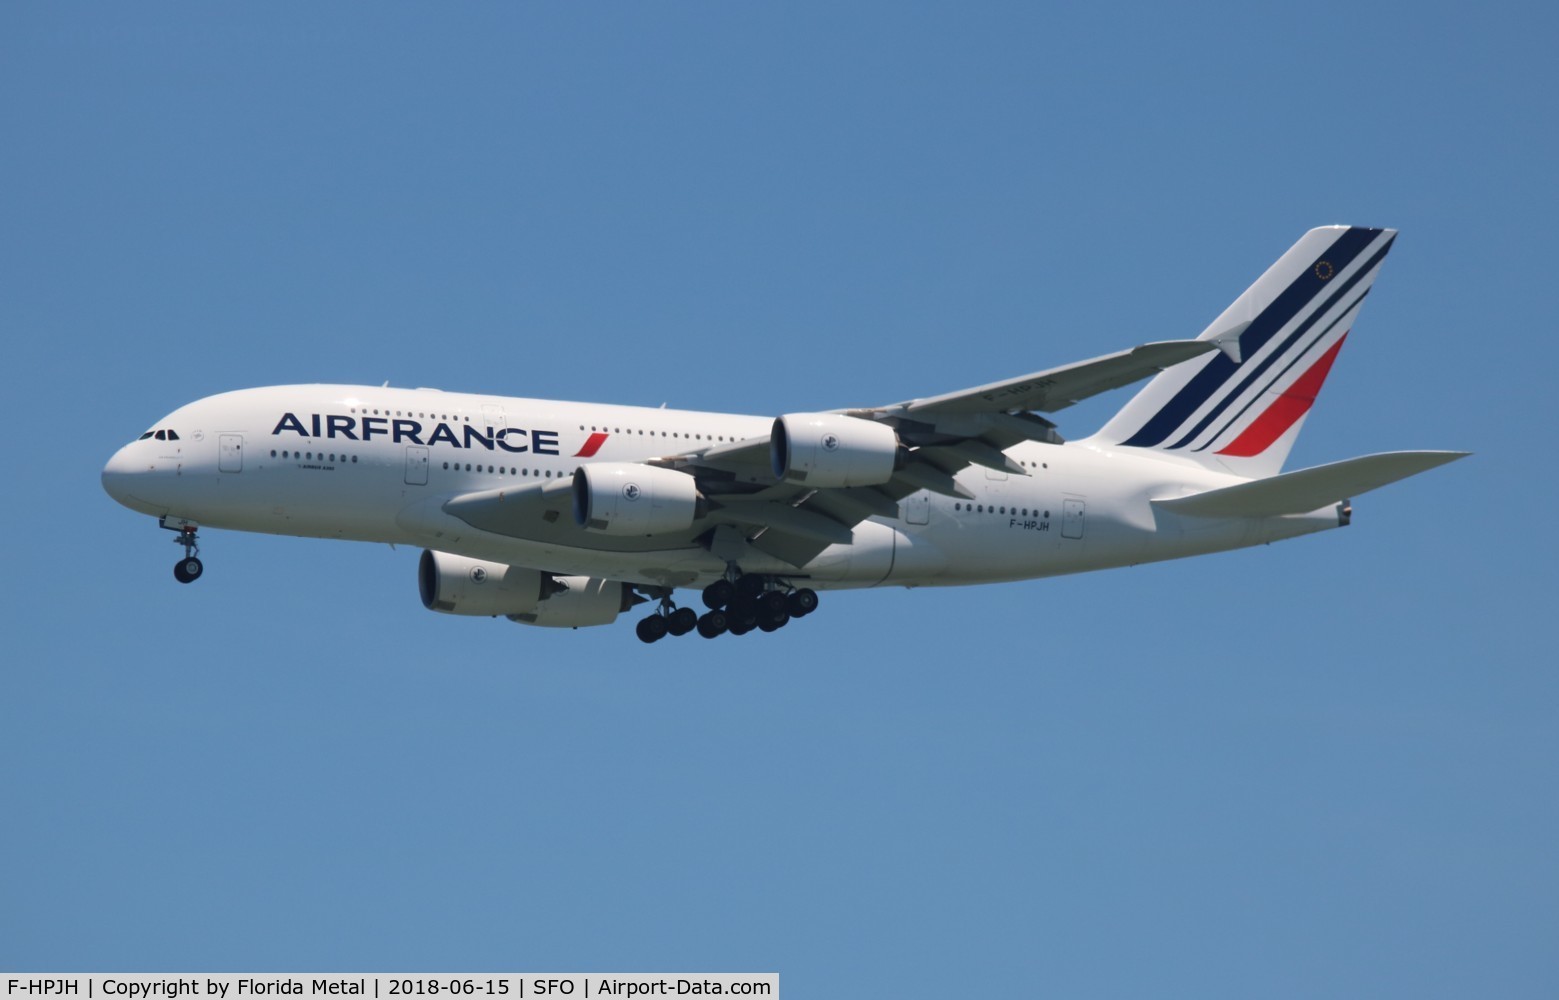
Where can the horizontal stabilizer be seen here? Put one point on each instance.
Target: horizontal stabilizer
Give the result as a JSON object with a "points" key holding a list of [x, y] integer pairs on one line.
{"points": [[1308, 489]]}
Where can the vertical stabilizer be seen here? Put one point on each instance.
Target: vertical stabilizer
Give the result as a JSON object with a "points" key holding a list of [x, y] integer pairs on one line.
{"points": [[1240, 409]]}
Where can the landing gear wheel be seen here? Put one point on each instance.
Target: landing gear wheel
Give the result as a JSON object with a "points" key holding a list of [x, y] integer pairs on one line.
{"points": [[682, 621], [711, 624], [188, 570], [718, 594], [772, 623], [801, 603], [772, 603], [750, 585], [743, 615], [651, 629]]}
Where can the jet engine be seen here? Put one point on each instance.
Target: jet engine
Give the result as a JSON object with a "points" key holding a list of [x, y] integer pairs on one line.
{"points": [[831, 449], [626, 498], [456, 585], [582, 601]]}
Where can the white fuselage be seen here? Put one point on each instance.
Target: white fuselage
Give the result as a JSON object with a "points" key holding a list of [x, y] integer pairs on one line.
{"points": [[378, 464]]}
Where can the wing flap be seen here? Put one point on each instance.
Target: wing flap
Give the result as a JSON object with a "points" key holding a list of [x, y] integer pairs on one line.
{"points": [[792, 549], [859, 502], [973, 452], [748, 453], [1309, 489], [790, 520], [922, 476]]}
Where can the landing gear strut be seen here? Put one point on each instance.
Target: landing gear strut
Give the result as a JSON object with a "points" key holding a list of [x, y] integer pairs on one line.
{"points": [[188, 569]]}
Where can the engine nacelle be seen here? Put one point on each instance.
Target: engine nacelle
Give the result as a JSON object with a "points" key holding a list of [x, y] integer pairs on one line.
{"points": [[831, 449], [626, 498], [456, 585], [584, 601]]}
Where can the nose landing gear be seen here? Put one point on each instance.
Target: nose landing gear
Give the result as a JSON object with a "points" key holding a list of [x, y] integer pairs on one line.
{"points": [[188, 569]]}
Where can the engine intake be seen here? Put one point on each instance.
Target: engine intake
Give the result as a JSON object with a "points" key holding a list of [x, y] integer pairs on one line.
{"points": [[456, 585], [627, 498], [831, 449]]}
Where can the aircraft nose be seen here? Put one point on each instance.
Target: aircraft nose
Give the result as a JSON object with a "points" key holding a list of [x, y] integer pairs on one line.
{"points": [[116, 475], [119, 477]]}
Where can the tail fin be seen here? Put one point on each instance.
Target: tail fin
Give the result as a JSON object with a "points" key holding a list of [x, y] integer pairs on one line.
{"points": [[1240, 409]]}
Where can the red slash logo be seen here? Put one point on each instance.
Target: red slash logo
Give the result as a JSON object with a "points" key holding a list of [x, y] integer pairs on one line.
{"points": [[592, 445]]}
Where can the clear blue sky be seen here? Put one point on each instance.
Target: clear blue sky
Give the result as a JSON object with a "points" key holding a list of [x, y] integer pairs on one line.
{"points": [[1324, 768]]}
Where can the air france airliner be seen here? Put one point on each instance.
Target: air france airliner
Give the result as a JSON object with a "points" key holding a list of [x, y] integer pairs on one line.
{"points": [[569, 514]]}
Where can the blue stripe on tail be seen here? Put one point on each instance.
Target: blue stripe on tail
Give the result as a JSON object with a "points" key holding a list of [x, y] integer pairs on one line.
{"points": [[1220, 368], [1292, 339]]}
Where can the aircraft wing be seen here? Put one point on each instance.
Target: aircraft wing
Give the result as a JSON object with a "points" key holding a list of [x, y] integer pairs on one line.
{"points": [[1058, 388], [942, 435], [938, 438]]}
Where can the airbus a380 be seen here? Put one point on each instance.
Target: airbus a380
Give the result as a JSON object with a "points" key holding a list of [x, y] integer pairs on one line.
{"points": [[568, 514]]}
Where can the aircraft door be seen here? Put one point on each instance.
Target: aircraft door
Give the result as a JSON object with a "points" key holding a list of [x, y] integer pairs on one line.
{"points": [[916, 509], [1072, 518], [230, 452], [416, 465]]}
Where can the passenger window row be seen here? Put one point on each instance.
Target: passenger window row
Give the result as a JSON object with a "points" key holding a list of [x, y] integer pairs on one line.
{"points": [[309, 456]]}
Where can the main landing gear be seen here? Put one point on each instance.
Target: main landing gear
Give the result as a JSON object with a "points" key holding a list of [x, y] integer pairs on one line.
{"points": [[668, 620], [188, 569], [736, 606]]}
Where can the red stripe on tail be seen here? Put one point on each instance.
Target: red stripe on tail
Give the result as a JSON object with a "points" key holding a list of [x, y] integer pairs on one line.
{"points": [[1286, 410]]}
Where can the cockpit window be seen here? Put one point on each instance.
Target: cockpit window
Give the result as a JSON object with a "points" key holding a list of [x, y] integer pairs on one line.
{"points": [[161, 435], [173, 435], [143, 437]]}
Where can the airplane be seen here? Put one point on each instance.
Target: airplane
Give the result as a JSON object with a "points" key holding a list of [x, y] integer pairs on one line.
{"points": [[568, 514]]}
